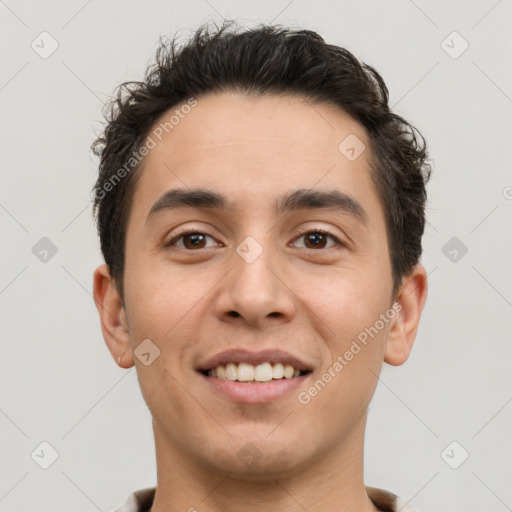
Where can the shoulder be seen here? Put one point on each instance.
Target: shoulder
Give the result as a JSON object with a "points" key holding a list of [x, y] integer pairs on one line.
{"points": [[138, 501], [387, 501]]}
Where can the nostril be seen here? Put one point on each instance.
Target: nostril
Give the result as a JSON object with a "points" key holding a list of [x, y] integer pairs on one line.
{"points": [[234, 313]]}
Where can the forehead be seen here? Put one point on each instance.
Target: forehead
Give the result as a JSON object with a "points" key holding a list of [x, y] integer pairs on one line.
{"points": [[253, 149]]}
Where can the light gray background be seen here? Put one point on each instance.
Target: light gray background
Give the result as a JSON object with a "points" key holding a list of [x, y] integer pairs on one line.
{"points": [[59, 384]]}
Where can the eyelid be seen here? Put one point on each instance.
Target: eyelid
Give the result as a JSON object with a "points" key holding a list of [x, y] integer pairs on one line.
{"points": [[300, 233], [184, 232]]}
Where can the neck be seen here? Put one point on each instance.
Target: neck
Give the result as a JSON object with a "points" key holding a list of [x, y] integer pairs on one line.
{"points": [[334, 481]]}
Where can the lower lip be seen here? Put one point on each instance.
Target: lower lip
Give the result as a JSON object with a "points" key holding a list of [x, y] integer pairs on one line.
{"points": [[257, 393]]}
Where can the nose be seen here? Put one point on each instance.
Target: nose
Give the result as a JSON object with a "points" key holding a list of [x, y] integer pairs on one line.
{"points": [[255, 291]]}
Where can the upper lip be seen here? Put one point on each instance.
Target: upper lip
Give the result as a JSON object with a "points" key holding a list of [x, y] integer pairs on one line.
{"points": [[254, 358]]}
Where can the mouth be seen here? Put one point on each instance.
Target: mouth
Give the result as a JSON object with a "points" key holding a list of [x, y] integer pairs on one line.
{"points": [[252, 374], [254, 378]]}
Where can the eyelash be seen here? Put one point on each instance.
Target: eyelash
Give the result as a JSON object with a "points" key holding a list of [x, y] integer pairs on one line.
{"points": [[170, 243]]}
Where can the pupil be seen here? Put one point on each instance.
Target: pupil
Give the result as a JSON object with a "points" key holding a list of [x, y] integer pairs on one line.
{"points": [[195, 237], [316, 237]]}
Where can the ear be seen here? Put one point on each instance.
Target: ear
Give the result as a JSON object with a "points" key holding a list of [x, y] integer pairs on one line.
{"points": [[409, 304], [114, 323]]}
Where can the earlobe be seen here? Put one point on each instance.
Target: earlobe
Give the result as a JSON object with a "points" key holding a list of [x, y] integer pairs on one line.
{"points": [[114, 325], [411, 299]]}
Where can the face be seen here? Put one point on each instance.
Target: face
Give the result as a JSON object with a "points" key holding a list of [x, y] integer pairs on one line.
{"points": [[281, 264]]}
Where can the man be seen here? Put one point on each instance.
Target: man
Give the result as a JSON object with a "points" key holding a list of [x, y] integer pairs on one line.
{"points": [[260, 211]]}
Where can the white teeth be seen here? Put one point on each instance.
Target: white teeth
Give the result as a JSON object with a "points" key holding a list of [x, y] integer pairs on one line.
{"points": [[263, 372], [245, 372], [288, 371], [221, 372], [278, 371], [231, 372]]}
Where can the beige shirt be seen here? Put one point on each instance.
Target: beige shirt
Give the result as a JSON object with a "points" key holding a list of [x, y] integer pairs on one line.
{"points": [[141, 501]]}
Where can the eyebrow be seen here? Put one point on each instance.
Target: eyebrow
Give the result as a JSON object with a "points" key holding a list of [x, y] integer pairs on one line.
{"points": [[301, 199]]}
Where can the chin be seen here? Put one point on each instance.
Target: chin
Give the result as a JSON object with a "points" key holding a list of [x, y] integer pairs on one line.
{"points": [[256, 458]]}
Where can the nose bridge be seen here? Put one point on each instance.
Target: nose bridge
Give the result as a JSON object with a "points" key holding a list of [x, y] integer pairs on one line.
{"points": [[252, 261], [254, 289]]}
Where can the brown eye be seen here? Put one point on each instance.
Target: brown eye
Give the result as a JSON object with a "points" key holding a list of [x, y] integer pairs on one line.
{"points": [[194, 240], [318, 239], [190, 240]]}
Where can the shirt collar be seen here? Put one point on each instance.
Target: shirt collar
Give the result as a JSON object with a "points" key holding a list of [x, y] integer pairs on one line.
{"points": [[141, 501]]}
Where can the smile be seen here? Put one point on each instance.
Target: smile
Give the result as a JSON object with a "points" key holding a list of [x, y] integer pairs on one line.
{"points": [[245, 372], [261, 377]]}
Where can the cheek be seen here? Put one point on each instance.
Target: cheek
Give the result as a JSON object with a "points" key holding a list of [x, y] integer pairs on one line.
{"points": [[161, 308], [158, 299], [356, 340], [349, 301], [161, 313]]}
